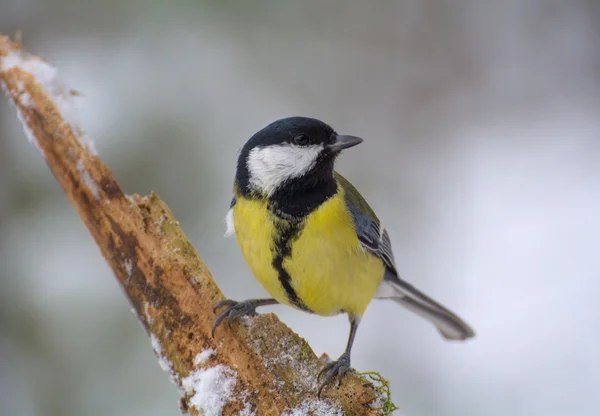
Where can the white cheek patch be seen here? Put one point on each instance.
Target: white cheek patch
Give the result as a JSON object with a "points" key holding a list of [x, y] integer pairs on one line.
{"points": [[230, 230], [270, 166]]}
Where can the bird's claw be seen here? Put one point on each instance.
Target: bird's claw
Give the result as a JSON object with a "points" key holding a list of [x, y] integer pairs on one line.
{"points": [[224, 302], [234, 309], [336, 368]]}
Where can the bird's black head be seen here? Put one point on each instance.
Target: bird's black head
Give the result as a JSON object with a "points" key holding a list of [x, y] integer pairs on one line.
{"points": [[289, 155]]}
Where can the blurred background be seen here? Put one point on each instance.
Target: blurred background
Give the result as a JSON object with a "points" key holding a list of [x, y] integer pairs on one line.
{"points": [[482, 157]]}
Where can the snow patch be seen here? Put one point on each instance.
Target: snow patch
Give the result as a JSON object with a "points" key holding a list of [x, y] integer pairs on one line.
{"points": [[148, 317], [128, 267], [203, 356], [90, 146], [46, 77], [131, 200], [28, 132], [164, 364], [26, 101], [196, 280], [210, 389], [87, 180], [315, 407], [247, 411], [159, 227], [286, 355]]}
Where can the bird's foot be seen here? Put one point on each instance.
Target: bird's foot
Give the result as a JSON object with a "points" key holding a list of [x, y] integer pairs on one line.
{"points": [[234, 310], [336, 368]]}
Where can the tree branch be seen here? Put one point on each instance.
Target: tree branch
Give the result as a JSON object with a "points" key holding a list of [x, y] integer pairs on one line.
{"points": [[258, 367]]}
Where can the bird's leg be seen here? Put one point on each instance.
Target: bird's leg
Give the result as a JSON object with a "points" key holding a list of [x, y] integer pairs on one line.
{"points": [[236, 309], [342, 365]]}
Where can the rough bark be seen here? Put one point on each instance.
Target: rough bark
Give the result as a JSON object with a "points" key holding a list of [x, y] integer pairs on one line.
{"points": [[167, 283]]}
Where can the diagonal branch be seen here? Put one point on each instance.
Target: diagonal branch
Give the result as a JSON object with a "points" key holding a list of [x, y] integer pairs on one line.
{"points": [[258, 367]]}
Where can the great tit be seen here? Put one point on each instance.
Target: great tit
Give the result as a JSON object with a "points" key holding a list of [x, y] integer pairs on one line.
{"points": [[311, 239]]}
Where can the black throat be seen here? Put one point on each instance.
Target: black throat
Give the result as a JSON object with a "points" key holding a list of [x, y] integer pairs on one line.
{"points": [[295, 198], [298, 197]]}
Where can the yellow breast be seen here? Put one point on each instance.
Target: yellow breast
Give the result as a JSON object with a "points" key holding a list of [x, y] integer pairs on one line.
{"points": [[254, 229], [329, 271]]}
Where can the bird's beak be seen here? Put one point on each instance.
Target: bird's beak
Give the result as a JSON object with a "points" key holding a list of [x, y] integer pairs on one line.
{"points": [[344, 142]]}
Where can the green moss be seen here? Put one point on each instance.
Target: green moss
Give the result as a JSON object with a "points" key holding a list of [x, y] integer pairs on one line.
{"points": [[382, 386], [306, 353], [169, 225]]}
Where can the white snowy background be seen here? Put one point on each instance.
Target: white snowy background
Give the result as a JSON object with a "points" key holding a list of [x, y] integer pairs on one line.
{"points": [[481, 122]]}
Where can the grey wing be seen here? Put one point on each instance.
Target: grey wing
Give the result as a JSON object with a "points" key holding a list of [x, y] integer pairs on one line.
{"points": [[373, 237], [375, 240]]}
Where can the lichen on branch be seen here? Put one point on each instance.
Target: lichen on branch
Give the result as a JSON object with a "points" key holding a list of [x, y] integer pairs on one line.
{"points": [[259, 366]]}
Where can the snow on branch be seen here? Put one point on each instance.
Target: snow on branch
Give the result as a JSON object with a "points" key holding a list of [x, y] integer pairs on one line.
{"points": [[259, 367]]}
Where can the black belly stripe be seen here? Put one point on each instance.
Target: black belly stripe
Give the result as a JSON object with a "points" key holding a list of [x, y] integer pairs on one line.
{"points": [[286, 236], [291, 204]]}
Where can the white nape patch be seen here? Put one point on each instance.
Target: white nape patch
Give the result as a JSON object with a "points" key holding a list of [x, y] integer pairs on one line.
{"points": [[230, 230], [271, 165]]}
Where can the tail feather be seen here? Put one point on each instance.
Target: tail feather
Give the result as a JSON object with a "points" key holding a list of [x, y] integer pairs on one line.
{"points": [[447, 322]]}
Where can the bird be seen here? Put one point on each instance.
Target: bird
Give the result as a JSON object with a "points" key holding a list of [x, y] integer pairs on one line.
{"points": [[311, 239]]}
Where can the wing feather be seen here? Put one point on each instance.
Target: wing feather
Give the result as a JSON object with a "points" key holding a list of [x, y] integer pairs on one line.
{"points": [[374, 239], [372, 236]]}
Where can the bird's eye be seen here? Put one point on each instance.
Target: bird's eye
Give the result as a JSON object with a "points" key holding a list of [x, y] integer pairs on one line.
{"points": [[301, 140]]}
